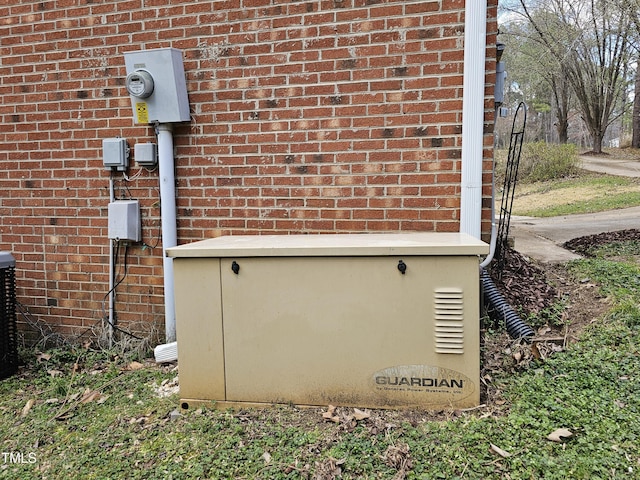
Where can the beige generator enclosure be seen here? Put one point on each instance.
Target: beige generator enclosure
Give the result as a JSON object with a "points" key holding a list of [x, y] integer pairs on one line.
{"points": [[369, 320]]}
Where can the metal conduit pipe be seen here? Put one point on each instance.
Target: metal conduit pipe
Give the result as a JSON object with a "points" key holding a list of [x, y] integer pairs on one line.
{"points": [[499, 309]]}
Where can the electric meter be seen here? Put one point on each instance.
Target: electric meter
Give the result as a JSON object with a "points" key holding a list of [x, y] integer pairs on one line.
{"points": [[139, 84], [157, 86]]}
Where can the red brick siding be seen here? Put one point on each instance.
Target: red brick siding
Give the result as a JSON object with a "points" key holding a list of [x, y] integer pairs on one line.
{"points": [[307, 116]]}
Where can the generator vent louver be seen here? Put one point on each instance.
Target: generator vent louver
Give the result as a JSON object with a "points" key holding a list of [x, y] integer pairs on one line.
{"points": [[449, 320], [8, 328]]}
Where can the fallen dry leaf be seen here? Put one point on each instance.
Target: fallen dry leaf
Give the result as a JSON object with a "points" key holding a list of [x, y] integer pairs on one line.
{"points": [[535, 351], [499, 451], [90, 396], [398, 457], [329, 414], [544, 330], [360, 415], [333, 418], [54, 373], [27, 407], [134, 366], [559, 434], [43, 357], [266, 456], [328, 468]]}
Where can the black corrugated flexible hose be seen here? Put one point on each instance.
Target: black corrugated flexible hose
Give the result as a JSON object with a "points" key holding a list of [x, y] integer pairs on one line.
{"points": [[499, 310]]}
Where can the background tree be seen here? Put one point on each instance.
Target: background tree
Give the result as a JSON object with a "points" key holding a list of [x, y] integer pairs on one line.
{"points": [[635, 127], [589, 42], [633, 6], [538, 75]]}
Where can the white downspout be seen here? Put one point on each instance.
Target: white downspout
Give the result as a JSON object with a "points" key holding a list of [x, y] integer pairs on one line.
{"points": [[475, 38], [168, 219]]}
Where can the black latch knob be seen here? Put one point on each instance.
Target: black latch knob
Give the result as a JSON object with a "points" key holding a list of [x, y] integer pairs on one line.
{"points": [[402, 267], [235, 267]]}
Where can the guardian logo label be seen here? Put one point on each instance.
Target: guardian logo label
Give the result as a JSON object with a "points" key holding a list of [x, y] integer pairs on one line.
{"points": [[437, 382]]}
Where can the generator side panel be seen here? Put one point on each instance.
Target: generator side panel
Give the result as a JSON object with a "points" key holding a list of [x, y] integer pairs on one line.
{"points": [[199, 328], [352, 331]]}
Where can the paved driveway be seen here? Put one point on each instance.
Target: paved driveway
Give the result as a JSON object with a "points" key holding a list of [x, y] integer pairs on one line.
{"points": [[623, 168], [540, 238]]}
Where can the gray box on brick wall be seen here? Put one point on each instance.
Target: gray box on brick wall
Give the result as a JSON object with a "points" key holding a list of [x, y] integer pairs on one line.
{"points": [[124, 220], [168, 102]]}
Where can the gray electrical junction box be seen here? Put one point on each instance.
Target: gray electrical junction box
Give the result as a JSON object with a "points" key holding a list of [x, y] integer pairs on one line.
{"points": [[146, 154], [115, 153], [124, 221]]}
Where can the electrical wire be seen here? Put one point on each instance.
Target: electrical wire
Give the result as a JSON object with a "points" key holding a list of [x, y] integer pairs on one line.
{"points": [[159, 235], [105, 315], [132, 177], [126, 194], [115, 286]]}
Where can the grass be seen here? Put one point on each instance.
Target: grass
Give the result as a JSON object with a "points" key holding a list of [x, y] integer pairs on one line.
{"points": [[587, 193], [551, 183], [622, 250], [97, 417]]}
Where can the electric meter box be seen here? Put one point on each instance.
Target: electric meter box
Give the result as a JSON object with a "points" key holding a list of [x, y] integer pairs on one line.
{"points": [[157, 86], [365, 320]]}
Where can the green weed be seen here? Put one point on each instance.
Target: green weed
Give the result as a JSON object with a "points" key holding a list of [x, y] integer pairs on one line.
{"points": [[619, 279], [554, 316]]}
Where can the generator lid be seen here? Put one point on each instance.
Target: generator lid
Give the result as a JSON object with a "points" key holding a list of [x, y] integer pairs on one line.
{"points": [[7, 260], [331, 245]]}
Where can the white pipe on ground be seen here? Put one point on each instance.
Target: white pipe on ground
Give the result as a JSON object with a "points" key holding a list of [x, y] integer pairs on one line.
{"points": [[168, 219], [475, 33]]}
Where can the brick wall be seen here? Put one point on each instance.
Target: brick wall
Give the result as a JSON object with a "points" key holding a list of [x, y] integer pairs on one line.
{"points": [[307, 116]]}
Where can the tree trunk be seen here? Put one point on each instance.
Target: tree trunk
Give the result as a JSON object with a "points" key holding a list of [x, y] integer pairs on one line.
{"points": [[635, 139], [562, 94], [563, 130], [597, 142]]}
